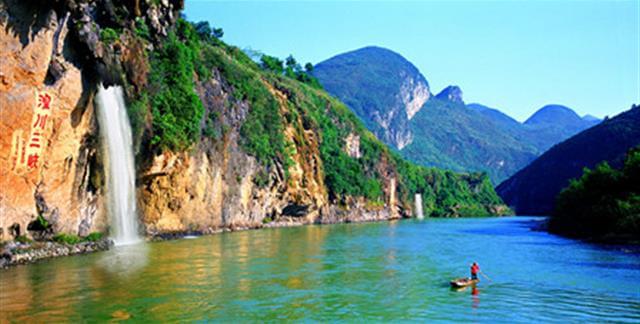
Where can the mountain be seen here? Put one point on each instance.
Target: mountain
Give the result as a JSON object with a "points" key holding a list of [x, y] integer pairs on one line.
{"points": [[443, 132], [590, 118], [554, 123], [220, 141], [450, 135], [380, 86], [498, 117], [451, 93], [533, 190], [554, 114]]}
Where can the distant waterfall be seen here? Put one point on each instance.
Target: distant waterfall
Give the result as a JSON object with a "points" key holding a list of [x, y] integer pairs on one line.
{"points": [[115, 131], [419, 212]]}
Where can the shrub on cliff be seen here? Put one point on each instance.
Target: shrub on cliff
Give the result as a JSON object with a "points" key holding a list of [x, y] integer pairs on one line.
{"points": [[262, 130], [175, 106], [281, 97], [69, 239], [109, 35]]}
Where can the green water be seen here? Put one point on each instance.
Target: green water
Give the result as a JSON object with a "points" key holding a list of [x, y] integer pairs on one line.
{"points": [[355, 272]]}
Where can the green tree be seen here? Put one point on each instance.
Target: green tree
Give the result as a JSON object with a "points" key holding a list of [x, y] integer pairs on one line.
{"points": [[272, 63], [603, 202], [203, 29], [206, 32], [217, 33], [291, 62], [308, 67]]}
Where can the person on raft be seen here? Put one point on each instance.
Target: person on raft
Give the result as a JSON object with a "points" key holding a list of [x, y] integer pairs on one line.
{"points": [[475, 268]]}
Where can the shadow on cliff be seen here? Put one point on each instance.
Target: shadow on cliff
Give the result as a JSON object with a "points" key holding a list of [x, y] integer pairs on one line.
{"points": [[25, 18]]}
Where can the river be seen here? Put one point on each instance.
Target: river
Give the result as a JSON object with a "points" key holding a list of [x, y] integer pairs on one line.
{"points": [[356, 272]]}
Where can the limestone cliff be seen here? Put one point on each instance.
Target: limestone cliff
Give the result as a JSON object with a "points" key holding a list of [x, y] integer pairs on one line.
{"points": [[381, 87], [47, 165], [50, 163], [220, 142], [214, 186]]}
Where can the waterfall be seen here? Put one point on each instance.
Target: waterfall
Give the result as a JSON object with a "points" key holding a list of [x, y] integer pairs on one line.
{"points": [[419, 213], [115, 132]]}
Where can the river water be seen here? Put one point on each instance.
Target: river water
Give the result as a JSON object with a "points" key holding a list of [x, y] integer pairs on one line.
{"points": [[356, 272]]}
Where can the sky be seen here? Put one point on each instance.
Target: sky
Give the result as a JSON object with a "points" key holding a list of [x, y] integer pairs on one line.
{"points": [[516, 56]]}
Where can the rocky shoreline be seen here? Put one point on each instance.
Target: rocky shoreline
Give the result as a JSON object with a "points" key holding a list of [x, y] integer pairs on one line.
{"points": [[16, 253]]}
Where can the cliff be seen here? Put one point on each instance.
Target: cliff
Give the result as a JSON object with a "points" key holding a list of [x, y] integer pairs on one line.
{"points": [[53, 55], [393, 99], [380, 86], [220, 142]]}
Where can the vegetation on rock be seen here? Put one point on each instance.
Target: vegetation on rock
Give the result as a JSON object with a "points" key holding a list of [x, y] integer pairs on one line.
{"points": [[375, 83], [177, 111], [69, 239], [282, 95], [72, 239], [443, 132]]}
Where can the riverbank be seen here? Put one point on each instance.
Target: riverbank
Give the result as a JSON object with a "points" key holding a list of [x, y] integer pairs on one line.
{"points": [[608, 239], [18, 253], [611, 239]]}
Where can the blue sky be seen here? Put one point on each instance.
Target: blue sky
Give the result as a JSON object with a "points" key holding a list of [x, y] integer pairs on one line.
{"points": [[512, 55]]}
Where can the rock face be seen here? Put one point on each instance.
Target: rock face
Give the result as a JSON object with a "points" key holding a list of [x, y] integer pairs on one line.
{"points": [[48, 161], [393, 100], [18, 253], [210, 188], [352, 146], [380, 86], [214, 187], [328, 169], [451, 93]]}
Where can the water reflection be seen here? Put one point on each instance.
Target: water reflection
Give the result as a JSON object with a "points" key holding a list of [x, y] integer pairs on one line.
{"points": [[125, 260], [367, 272], [475, 297]]}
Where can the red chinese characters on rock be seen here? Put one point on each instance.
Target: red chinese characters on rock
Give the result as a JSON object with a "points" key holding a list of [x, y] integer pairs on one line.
{"points": [[37, 138], [32, 161], [44, 101], [41, 122]]}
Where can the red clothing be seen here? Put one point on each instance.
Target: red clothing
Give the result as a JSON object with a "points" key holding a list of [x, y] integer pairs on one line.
{"points": [[474, 269]]}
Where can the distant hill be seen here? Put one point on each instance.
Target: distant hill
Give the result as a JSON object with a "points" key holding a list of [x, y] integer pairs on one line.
{"points": [[553, 114], [380, 86], [554, 123], [393, 99], [450, 135], [496, 115], [451, 93], [532, 191], [591, 118]]}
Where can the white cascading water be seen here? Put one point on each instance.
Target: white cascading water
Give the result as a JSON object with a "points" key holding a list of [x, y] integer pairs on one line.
{"points": [[419, 213], [115, 131]]}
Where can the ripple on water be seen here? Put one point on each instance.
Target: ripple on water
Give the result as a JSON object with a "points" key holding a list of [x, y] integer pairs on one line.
{"points": [[365, 272]]}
